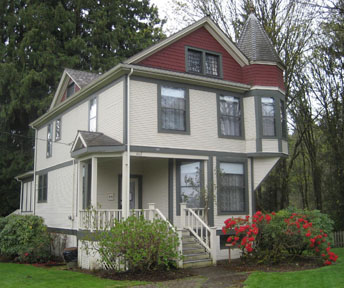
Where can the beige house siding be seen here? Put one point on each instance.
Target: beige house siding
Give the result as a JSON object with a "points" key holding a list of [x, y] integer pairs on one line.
{"points": [[110, 112], [203, 122], [262, 167], [270, 145], [250, 124], [60, 198]]}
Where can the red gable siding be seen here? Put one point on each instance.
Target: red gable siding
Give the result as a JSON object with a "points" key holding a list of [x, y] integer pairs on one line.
{"points": [[263, 75], [173, 56]]}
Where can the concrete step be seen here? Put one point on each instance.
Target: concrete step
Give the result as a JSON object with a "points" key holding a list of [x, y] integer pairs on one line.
{"points": [[197, 263], [187, 251], [196, 256], [192, 245]]}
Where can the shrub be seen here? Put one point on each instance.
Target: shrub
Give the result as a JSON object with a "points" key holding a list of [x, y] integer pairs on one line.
{"points": [[286, 234], [137, 244], [25, 238]]}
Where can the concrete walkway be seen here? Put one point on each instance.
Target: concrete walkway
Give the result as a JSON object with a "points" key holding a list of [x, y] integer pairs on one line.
{"points": [[213, 277]]}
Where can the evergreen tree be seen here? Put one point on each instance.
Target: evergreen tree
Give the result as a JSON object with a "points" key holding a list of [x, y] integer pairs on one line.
{"points": [[38, 39]]}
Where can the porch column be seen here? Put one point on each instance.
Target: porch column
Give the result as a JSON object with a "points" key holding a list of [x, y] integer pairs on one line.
{"points": [[125, 187], [94, 181]]}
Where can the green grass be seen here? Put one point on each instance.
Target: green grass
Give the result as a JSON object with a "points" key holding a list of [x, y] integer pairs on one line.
{"points": [[19, 275], [329, 276]]}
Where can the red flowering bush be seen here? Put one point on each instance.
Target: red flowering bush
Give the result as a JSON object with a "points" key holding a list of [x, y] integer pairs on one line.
{"points": [[273, 237]]}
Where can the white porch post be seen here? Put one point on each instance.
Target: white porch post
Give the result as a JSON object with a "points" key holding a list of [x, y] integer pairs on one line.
{"points": [[213, 243], [151, 208], [125, 186], [94, 181]]}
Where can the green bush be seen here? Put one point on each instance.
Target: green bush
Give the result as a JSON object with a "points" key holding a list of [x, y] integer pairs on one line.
{"points": [[3, 222], [24, 238], [277, 240], [138, 244]]}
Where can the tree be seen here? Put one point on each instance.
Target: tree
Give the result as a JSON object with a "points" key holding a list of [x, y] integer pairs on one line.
{"points": [[39, 39]]}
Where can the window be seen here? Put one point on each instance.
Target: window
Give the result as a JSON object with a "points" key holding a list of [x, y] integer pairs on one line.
{"points": [[203, 62], [283, 119], [70, 89], [86, 184], [231, 197], [49, 139], [58, 129], [268, 116], [189, 183], [229, 116], [93, 115], [43, 188], [173, 109]]}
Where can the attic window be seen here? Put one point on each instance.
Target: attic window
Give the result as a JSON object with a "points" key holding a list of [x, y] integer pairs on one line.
{"points": [[70, 89], [203, 62]]}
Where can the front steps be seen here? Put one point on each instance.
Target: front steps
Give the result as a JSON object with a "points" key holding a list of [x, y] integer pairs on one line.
{"points": [[195, 256]]}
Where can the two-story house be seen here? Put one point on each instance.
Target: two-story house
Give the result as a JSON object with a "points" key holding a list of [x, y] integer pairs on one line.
{"points": [[193, 106]]}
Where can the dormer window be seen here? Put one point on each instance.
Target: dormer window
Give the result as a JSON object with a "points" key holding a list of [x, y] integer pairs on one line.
{"points": [[203, 62], [70, 89]]}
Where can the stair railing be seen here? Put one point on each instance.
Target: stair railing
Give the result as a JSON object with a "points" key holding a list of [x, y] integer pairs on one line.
{"points": [[200, 230]]}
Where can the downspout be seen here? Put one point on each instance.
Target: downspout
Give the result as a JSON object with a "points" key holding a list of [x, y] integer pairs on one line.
{"points": [[21, 194], [128, 140]]}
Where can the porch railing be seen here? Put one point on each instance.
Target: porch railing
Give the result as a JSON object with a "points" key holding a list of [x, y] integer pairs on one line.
{"points": [[203, 233], [102, 219]]}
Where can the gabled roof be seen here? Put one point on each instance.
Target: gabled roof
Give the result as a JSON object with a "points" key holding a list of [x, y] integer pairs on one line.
{"points": [[255, 43], [80, 78], [92, 142], [210, 26]]}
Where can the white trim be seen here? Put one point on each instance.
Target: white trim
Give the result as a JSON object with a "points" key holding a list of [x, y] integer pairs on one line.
{"points": [[62, 85], [75, 82], [79, 136], [279, 65], [274, 88], [163, 155], [211, 28]]}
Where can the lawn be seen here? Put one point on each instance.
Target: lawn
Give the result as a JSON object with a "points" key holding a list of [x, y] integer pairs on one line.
{"points": [[27, 276], [329, 276]]}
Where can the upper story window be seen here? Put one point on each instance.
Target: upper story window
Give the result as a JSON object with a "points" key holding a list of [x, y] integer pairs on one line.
{"points": [[230, 122], [93, 115], [173, 110], [49, 139], [43, 188], [283, 119], [203, 62], [58, 129], [70, 89], [268, 116], [231, 192]]}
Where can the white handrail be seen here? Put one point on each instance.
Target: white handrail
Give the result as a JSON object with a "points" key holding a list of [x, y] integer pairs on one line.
{"points": [[197, 226], [162, 217]]}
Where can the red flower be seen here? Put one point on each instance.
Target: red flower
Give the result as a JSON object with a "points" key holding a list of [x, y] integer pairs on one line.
{"points": [[327, 262], [273, 213], [267, 218], [251, 239], [236, 238], [26, 254], [229, 239], [308, 234], [224, 230]]}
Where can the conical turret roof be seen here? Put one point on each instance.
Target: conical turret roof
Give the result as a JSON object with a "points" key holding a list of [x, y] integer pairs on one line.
{"points": [[255, 43]]}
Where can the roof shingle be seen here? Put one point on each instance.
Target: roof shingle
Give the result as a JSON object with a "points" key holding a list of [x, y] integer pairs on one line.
{"points": [[255, 43], [81, 78]]}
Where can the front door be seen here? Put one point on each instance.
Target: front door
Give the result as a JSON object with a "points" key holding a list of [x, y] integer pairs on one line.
{"points": [[134, 193]]}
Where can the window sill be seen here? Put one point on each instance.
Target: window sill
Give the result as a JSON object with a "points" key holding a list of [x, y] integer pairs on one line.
{"points": [[174, 132]]}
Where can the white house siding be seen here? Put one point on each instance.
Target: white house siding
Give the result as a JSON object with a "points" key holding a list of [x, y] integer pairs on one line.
{"points": [[155, 184], [72, 121], [110, 111], [109, 122], [203, 122], [250, 124], [262, 167], [285, 147], [60, 198], [270, 145], [108, 171]]}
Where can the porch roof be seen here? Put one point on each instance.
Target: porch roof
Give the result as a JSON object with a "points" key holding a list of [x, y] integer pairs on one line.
{"points": [[93, 142]]}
